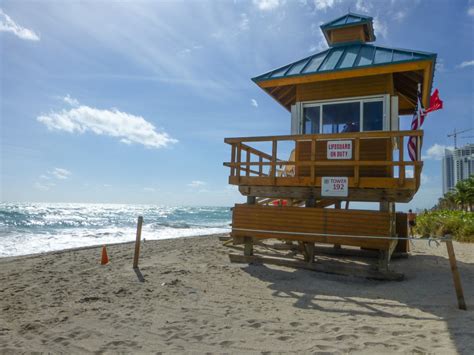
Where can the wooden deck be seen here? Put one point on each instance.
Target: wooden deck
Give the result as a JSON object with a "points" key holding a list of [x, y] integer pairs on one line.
{"points": [[376, 171]]}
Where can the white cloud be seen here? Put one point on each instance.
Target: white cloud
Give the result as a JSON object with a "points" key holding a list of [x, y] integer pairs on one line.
{"points": [[363, 6], [60, 173], [470, 11], [380, 28], [267, 4], [468, 63], [321, 40], [399, 15], [254, 103], [70, 100], [436, 152], [149, 189], [127, 127], [325, 4], [197, 183], [244, 24], [8, 25]]}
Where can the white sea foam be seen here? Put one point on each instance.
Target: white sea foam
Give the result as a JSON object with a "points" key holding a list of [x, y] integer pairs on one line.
{"points": [[37, 228]]}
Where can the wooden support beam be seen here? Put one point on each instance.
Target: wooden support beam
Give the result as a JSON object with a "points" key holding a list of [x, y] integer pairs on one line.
{"points": [[248, 246], [274, 159], [347, 269], [456, 277], [307, 193], [401, 169], [356, 158]]}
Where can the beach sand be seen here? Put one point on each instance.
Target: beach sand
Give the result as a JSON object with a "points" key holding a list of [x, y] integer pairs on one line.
{"points": [[188, 297]]}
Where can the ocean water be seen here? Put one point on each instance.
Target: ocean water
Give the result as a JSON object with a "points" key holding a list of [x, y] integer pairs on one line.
{"points": [[27, 228]]}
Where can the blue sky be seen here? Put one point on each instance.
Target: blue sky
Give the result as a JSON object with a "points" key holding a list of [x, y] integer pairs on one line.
{"points": [[129, 102]]}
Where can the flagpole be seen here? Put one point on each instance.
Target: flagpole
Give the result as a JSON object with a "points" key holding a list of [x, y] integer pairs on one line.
{"points": [[418, 139]]}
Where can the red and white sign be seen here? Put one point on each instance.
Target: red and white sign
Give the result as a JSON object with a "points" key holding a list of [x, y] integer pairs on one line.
{"points": [[339, 149], [335, 186]]}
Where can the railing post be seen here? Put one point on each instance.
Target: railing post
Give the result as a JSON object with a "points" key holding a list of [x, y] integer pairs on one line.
{"points": [[247, 173], [401, 159], [232, 160], [260, 166], [356, 160], [274, 158], [313, 158], [239, 156]]}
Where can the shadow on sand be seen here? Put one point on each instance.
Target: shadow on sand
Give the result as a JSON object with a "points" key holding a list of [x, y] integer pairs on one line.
{"points": [[428, 287], [139, 274]]}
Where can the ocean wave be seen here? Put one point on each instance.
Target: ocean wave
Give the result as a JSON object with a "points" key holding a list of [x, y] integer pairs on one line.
{"points": [[34, 227]]}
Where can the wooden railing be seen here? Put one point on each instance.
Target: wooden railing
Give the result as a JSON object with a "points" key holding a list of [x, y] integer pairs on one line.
{"points": [[249, 165]]}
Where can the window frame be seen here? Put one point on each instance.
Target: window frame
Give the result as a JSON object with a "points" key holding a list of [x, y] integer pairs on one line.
{"points": [[385, 99]]}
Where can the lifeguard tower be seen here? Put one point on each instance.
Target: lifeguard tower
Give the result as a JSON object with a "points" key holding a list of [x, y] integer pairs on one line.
{"points": [[345, 145]]}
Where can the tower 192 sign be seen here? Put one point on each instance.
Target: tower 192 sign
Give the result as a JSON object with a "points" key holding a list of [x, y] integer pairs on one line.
{"points": [[335, 186], [339, 149]]}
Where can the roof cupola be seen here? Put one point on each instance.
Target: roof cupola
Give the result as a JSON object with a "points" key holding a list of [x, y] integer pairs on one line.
{"points": [[350, 28]]}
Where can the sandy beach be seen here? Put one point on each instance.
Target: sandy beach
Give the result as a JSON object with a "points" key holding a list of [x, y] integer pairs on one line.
{"points": [[188, 297]]}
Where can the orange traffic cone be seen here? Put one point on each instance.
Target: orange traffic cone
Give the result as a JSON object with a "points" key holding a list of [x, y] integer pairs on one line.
{"points": [[105, 257]]}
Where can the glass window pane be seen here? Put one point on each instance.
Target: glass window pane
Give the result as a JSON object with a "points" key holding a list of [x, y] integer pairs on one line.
{"points": [[279, 72], [383, 56], [315, 62], [332, 60], [311, 120], [349, 57], [338, 118], [352, 19], [399, 56], [365, 57], [373, 116], [297, 68]]}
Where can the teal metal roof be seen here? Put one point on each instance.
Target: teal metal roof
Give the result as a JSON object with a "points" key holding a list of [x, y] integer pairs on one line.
{"points": [[345, 57], [349, 19]]}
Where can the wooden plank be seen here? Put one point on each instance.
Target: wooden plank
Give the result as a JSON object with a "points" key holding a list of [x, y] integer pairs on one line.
{"points": [[304, 193], [334, 226], [325, 137], [346, 269], [364, 182], [343, 88], [456, 277]]}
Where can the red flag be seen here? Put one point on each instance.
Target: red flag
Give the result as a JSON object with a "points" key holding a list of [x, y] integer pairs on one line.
{"points": [[435, 102]]}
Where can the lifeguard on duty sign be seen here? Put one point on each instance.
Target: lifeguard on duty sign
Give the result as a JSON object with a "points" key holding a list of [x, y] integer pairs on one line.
{"points": [[335, 186], [339, 149]]}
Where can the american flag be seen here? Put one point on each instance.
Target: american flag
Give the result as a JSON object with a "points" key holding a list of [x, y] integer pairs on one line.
{"points": [[419, 118], [416, 123]]}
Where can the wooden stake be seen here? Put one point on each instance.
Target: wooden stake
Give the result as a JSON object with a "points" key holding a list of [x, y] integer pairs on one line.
{"points": [[456, 277], [137, 242]]}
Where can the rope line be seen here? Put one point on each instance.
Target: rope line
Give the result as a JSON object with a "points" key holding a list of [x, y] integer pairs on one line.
{"points": [[429, 240]]}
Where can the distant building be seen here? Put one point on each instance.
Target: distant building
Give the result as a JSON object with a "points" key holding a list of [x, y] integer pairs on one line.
{"points": [[458, 164]]}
